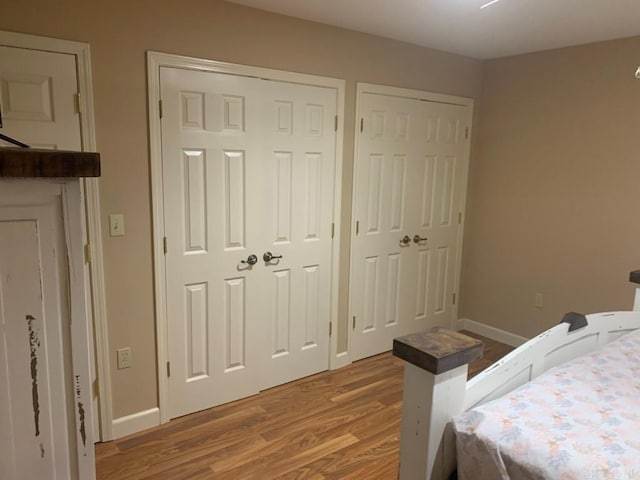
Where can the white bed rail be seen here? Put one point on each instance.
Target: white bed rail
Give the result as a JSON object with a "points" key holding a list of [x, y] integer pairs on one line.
{"points": [[432, 398]]}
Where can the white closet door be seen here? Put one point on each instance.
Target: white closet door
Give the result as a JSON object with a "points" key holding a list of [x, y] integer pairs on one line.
{"points": [[384, 269], [411, 159], [298, 178], [248, 169]]}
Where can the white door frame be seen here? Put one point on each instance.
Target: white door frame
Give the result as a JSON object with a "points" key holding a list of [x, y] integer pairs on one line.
{"points": [[418, 95], [92, 208], [156, 60]]}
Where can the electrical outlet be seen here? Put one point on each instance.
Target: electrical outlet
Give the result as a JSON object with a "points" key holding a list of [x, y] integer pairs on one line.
{"points": [[116, 225], [124, 358], [539, 302]]}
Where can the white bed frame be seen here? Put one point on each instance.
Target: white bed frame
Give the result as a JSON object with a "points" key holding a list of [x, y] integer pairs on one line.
{"points": [[427, 442]]}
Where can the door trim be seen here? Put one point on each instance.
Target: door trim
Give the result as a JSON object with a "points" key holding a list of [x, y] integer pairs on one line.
{"points": [[91, 195], [361, 88], [156, 60]]}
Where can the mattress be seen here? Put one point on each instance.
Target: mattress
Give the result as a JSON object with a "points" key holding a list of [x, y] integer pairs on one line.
{"points": [[580, 420]]}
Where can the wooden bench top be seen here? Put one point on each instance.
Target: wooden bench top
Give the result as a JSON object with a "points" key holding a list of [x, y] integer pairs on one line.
{"points": [[437, 350]]}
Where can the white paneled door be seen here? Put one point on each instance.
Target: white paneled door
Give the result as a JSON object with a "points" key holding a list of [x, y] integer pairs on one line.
{"points": [[38, 103], [412, 158], [248, 172]]}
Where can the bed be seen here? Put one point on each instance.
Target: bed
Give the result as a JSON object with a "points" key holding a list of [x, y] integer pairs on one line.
{"points": [[564, 405]]}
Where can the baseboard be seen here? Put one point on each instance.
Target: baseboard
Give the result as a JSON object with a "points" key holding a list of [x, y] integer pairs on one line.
{"points": [[135, 422], [341, 359], [493, 333]]}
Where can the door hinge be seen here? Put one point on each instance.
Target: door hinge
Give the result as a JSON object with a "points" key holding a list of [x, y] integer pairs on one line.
{"points": [[466, 132], [362, 124], [164, 245], [336, 124], [78, 104], [353, 327], [330, 328], [168, 369], [454, 298], [160, 111], [459, 218], [333, 229], [357, 227], [96, 388], [87, 253]]}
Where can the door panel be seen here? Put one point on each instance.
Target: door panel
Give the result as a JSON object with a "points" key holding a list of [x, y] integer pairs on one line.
{"points": [[37, 98], [409, 181], [207, 144], [248, 168], [384, 297], [298, 215]]}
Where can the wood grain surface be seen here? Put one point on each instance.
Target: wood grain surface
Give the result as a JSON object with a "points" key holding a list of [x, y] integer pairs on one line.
{"points": [[437, 350], [340, 425], [33, 163]]}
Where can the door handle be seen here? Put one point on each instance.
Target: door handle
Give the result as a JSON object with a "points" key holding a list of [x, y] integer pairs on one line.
{"points": [[251, 260], [405, 240], [268, 256], [418, 239]]}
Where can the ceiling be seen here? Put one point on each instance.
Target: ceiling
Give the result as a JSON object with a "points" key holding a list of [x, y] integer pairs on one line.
{"points": [[507, 27]]}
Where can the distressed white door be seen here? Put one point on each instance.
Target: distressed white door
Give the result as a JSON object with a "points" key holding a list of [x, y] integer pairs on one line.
{"points": [[411, 165], [36, 397], [38, 98], [248, 169]]}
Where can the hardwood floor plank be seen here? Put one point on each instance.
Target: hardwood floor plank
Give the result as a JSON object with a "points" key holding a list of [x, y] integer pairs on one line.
{"points": [[338, 425]]}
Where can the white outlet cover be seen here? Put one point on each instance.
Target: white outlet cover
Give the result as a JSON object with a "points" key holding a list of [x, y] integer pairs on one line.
{"points": [[124, 358]]}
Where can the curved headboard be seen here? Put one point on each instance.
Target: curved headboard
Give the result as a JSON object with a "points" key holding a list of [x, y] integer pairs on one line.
{"points": [[552, 347]]}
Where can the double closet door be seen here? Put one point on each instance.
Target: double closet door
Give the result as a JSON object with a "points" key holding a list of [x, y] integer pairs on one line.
{"points": [[248, 172], [410, 178]]}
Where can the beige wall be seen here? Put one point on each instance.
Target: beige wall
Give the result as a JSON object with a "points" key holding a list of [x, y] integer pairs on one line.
{"points": [[120, 32], [553, 194]]}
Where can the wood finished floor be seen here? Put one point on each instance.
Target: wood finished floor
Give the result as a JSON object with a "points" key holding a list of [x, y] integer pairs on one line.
{"points": [[340, 425]]}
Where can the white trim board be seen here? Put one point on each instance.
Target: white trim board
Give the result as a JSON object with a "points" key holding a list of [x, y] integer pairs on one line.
{"points": [[91, 192], [493, 333], [155, 60], [136, 422], [411, 93]]}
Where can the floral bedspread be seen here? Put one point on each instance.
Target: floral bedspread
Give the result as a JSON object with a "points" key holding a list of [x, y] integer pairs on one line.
{"points": [[580, 420]]}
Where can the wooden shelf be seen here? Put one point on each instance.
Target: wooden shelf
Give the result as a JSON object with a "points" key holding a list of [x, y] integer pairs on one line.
{"points": [[33, 162]]}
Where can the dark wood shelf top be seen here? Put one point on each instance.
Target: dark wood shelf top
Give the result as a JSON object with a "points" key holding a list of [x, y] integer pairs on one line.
{"points": [[33, 163], [438, 350], [634, 276]]}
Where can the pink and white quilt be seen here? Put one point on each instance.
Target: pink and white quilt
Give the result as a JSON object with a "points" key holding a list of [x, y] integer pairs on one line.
{"points": [[577, 421]]}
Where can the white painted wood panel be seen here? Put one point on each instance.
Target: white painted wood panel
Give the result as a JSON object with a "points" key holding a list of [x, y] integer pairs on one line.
{"points": [[258, 177], [37, 98], [410, 180], [45, 407]]}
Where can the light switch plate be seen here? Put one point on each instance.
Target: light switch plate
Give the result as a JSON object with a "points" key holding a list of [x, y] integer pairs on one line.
{"points": [[116, 225]]}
